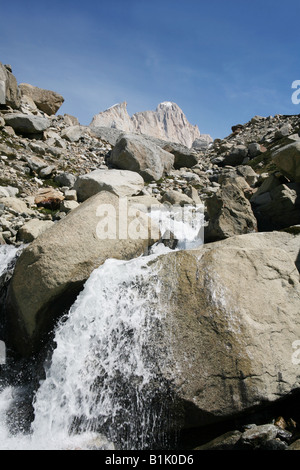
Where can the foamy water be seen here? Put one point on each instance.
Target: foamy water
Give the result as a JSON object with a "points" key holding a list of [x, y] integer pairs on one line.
{"points": [[98, 391]]}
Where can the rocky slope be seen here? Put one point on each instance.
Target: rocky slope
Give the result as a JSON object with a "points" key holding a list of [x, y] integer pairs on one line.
{"points": [[167, 122], [239, 317]]}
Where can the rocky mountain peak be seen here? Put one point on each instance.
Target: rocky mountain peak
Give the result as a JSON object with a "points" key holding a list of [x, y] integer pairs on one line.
{"points": [[168, 122], [115, 117]]}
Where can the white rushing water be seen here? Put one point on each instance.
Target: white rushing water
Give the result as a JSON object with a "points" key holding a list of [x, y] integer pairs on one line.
{"points": [[7, 254], [98, 391]]}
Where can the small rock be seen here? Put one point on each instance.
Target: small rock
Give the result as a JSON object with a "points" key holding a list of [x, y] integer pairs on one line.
{"points": [[47, 171], [67, 206], [71, 195], [259, 435], [295, 445], [65, 179], [254, 149], [175, 197], [36, 164], [49, 198], [225, 442]]}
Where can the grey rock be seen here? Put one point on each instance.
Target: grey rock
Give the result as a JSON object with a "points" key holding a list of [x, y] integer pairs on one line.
{"points": [[248, 173], [36, 164], [32, 229], [9, 91], [262, 199], [7, 150], [8, 191], [107, 134], [68, 205], [287, 159], [134, 153], [202, 143], [75, 133], [236, 156], [254, 150], [71, 195], [175, 197], [227, 441], [65, 179], [267, 185], [25, 124], [71, 120], [54, 267], [229, 213], [257, 436], [37, 148], [283, 131], [282, 211], [47, 171], [223, 356], [46, 100], [121, 182], [184, 157], [295, 445]]}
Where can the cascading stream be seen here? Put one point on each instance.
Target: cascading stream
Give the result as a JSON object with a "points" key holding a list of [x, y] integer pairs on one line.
{"points": [[103, 388]]}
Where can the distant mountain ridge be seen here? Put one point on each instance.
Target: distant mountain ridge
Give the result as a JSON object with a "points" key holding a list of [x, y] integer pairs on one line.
{"points": [[167, 122]]}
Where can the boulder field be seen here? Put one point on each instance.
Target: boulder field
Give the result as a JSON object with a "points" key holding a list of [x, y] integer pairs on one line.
{"points": [[229, 309]]}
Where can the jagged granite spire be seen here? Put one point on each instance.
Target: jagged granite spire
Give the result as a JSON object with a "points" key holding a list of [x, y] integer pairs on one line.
{"points": [[167, 122]]}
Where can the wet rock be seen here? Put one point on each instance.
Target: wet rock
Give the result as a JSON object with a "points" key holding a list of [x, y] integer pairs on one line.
{"points": [[258, 434], [54, 267], [227, 441], [223, 358]]}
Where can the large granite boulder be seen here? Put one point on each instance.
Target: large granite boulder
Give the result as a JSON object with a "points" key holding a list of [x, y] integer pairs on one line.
{"points": [[287, 159], [134, 153], [229, 315], [75, 133], [27, 124], [46, 100], [9, 91], [229, 212], [184, 157], [32, 229], [276, 206], [52, 270], [121, 182]]}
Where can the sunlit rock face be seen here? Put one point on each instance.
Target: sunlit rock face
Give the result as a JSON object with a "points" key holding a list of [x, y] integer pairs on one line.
{"points": [[167, 122]]}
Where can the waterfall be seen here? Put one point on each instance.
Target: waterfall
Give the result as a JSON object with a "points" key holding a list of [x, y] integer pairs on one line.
{"points": [[102, 388], [7, 255]]}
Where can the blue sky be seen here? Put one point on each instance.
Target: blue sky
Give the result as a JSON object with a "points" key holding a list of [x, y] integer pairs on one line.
{"points": [[221, 61]]}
